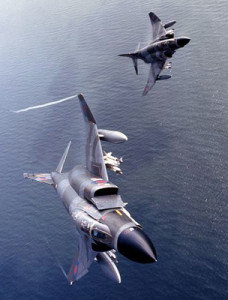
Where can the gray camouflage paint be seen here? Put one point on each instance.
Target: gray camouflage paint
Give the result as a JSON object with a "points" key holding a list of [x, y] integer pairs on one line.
{"points": [[96, 208], [162, 47]]}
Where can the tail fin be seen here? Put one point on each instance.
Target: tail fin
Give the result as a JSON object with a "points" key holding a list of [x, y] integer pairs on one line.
{"points": [[134, 59], [63, 159]]}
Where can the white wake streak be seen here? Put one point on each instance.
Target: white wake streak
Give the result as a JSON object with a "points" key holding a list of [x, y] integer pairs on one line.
{"points": [[44, 105]]}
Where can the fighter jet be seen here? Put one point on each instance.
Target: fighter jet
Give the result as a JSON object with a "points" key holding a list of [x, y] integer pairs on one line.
{"points": [[102, 221], [162, 47]]}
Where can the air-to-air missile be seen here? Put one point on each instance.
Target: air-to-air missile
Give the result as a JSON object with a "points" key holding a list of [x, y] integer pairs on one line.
{"points": [[112, 162], [102, 221], [162, 47]]}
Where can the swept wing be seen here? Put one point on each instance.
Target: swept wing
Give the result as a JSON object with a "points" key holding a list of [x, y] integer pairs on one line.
{"points": [[158, 28], [82, 260], [155, 69], [94, 154]]}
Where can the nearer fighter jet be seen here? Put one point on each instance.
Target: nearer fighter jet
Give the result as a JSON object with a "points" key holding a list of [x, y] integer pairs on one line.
{"points": [[103, 224], [162, 47]]}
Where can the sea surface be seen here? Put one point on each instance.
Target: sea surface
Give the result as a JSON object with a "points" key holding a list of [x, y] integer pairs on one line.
{"points": [[175, 163]]}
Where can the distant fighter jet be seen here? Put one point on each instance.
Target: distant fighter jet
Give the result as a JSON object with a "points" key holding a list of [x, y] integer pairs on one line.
{"points": [[102, 221], [162, 47]]}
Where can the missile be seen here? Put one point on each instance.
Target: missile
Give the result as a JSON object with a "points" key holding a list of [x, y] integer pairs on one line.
{"points": [[108, 157], [164, 77], [111, 162], [168, 65], [114, 168]]}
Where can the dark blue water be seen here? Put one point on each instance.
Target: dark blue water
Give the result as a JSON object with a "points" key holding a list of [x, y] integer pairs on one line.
{"points": [[176, 159]]}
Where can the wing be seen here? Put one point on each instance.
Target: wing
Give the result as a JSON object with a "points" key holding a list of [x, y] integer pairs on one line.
{"points": [[43, 177], [94, 154], [155, 70], [82, 260], [157, 27]]}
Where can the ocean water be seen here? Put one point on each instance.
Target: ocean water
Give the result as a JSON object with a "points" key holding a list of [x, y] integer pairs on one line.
{"points": [[175, 162]]}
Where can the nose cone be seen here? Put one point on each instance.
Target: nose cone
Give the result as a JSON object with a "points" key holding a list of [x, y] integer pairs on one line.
{"points": [[181, 42], [122, 137], [136, 245]]}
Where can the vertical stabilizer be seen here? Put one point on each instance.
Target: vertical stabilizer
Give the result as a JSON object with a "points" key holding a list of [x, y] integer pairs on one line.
{"points": [[133, 56], [63, 159]]}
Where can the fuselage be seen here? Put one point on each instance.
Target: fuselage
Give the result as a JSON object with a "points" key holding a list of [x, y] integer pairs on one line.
{"points": [[98, 211], [161, 49]]}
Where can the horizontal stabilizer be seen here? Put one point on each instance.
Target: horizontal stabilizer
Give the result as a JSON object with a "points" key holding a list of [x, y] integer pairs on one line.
{"points": [[42, 177], [127, 55]]}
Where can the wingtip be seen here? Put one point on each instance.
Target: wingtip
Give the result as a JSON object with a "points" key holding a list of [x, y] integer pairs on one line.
{"points": [[154, 17], [86, 110], [81, 96], [145, 92]]}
